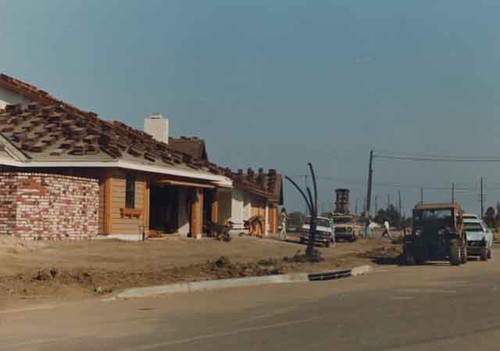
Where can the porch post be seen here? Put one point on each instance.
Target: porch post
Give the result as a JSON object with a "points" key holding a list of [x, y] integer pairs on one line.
{"points": [[215, 207], [146, 205], [272, 219], [197, 213], [266, 230], [107, 202]]}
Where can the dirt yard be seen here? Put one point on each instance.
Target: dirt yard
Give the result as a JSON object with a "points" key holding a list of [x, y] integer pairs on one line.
{"points": [[42, 271]]}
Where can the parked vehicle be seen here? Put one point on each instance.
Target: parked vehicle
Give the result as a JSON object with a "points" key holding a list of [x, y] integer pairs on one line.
{"points": [[346, 227], [437, 234], [470, 216], [324, 231], [479, 238]]}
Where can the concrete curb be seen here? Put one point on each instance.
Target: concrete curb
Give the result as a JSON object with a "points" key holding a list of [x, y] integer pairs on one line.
{"points": [[239, 282], [361, 270]]}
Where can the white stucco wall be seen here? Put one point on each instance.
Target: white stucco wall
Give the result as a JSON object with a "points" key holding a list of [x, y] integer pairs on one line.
{"points": [[7, 97], [247, 207], [237, 207]]}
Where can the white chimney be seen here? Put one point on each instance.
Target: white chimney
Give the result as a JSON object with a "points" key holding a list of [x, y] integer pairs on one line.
{"points": [[157, 126]]}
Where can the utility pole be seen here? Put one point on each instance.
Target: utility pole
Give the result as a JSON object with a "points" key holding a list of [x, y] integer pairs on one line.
{"points": [[452, 192], [356, 207], [369, 186], [306, 210], [399, 208], [376, 204], [482, 198], [421, 195], [399, 202]]}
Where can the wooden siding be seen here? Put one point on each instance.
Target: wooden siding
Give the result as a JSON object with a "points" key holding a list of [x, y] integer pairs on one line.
{"points": [[258, 208], [273, 219], [126, 224]]}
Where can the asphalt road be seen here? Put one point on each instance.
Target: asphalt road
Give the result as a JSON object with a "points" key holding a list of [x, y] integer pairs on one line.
{"points": [[395, 308]]}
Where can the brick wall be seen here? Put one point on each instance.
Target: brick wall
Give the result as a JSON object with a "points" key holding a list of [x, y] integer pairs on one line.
{"points": [[48, 206], [8, 203]]}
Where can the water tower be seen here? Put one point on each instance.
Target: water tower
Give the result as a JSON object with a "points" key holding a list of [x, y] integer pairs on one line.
{"points": [[342, 201]]}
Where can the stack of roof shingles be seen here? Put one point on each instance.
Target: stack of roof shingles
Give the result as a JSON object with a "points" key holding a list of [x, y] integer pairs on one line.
{"points": [[267, 185], [51, 127], [57, 131]]}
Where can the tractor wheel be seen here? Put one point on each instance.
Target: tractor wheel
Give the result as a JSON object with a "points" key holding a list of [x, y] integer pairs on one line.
{"points": [[463, 253], [409, 260], [420, 259], [484, 254], [409, 257], [455, 254]]}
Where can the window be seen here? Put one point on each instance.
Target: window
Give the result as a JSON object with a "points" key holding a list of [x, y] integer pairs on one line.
{"points": [[474, 227], [433, 214], [129, 191], [320, 222]]}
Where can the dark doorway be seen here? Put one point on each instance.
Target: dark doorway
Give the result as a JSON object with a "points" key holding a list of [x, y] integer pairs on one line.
{"points": [[208, 197], [163, 209]]}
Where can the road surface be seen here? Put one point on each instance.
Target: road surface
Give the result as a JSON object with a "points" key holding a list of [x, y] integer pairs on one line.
{"points": [[395, 308]]}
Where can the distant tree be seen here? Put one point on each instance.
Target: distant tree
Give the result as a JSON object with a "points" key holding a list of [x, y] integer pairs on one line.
{"points": [[295, 220], [497, 215], [406, 222], [490, 217], [390, 214]]}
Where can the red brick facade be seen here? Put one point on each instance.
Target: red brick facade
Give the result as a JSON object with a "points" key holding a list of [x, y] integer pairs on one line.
{"points": [[48, 206]]}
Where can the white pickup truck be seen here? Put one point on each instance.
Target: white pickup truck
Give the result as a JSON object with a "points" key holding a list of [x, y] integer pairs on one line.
{"points": [[324, 231]]}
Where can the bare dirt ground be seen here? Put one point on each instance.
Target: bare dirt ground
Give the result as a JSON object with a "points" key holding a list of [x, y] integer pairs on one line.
{"points": [[43, 271]]}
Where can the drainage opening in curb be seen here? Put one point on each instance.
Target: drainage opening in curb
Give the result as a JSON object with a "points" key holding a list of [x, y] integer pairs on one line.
{"points": [[329, 275]]}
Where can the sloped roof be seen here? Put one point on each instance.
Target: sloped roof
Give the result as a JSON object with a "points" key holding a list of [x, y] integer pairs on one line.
{"points": [[266, 185], [50, 130], [194, 147]]}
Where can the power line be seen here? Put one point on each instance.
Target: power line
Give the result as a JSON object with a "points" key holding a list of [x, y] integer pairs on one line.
{"points": [[438, 158], [394, 184]]}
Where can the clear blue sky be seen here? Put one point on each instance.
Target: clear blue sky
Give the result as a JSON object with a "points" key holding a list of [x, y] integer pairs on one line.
{"points": [[279, 83]]}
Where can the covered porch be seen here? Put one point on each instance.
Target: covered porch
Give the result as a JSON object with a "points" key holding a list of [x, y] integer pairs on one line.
{"points": [[184, 206]]}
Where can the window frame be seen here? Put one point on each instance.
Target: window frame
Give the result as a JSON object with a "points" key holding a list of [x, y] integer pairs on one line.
{"points": [[129, 191]]}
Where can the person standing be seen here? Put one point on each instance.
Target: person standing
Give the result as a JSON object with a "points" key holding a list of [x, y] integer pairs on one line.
{"points": [[386, 231], [367, 229], [283, 220]]}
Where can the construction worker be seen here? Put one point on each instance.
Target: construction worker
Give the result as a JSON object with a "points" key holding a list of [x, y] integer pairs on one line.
{"points": [[283, 219], [386, 231]]}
